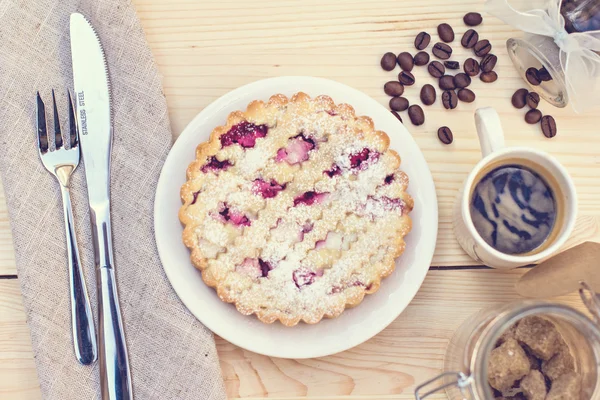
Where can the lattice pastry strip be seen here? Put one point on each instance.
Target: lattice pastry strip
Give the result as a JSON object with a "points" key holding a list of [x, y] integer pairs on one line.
{"points": [[295, 209]]}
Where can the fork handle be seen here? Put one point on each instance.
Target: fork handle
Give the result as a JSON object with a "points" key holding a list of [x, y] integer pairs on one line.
{"points": [[84, 334]]}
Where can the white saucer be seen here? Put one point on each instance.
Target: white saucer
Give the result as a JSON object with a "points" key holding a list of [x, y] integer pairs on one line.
{"points": [[330, 336]]}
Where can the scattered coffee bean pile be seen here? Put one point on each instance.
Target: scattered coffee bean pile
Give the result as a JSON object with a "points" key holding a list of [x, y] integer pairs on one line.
{"points": [[453, 87], [522, 98]]}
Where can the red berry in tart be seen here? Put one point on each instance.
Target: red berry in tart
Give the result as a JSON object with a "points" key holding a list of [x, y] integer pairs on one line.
{"points": [[267, 189], [234, 217], [296, 151], [215, 165], [245, 134]]}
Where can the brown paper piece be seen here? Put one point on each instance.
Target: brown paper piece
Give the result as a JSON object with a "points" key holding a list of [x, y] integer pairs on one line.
{"points": [[562, 273]]}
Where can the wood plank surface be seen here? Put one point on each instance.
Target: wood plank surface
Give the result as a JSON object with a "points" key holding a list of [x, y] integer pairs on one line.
{"points": [[205, 48], [389, 366]]}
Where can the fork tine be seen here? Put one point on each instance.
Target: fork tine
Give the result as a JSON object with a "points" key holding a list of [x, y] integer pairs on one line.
{"points": [[42, 134], [57, 134], [73, 134]]}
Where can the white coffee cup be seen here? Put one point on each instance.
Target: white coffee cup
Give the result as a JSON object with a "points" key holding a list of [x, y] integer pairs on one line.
{"points": [[491, 139]]}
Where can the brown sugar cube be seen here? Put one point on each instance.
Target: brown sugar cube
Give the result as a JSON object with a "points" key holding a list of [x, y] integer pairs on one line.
{"points": [[507, 364], [534, 385], [514, 391], [509, 333], [562, 363], [539, 335], [567, 387]]}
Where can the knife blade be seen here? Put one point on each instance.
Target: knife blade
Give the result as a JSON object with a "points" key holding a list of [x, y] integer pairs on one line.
{"points": [[93, 102]]}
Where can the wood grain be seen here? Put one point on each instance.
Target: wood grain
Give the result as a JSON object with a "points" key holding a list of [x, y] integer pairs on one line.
{"points": [[389, 366]]}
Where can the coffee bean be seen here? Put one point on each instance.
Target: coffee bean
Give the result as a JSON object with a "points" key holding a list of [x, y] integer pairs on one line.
{"points": [[395, 114], [472, 19], [532, 76], [471, 67], [393, 88], [466, 95], [421, 58], [519, 98], [445, 135], [405, 61], [436, 69], [398, 103], [417, 117], [470, 39], [428, 94], [488, 77], [452, 64], [461, 80], [406, 78], [442, 51], [548, 126], [533, 116], [544, 75], [422, 40], [446, 82], [388, 61], [567, 6], [449, 99], [482, 47], [445, 32], [488, 62], [533, 99]]}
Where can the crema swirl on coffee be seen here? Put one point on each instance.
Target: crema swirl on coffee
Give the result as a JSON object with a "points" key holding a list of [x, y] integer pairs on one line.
{"points": [[513, 209]]}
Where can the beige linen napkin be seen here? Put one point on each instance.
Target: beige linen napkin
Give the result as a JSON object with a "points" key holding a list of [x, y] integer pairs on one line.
{"points": [[172, 355]]}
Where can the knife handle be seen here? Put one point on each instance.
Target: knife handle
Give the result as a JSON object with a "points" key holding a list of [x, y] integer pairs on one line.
{"points": [[115, 375]]}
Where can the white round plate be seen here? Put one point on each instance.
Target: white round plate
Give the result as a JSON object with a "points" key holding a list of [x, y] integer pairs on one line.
{"points": [[329, 336]]}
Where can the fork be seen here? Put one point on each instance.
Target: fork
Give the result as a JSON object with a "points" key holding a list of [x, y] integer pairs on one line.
{"points": [[61, 163]]}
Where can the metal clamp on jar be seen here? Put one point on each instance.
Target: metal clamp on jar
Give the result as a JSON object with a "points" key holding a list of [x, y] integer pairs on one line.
{"points": [[468, 355]]}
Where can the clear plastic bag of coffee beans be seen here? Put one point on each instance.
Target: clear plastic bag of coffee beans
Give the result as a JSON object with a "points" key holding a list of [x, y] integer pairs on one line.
{"points": [[558, 55]]}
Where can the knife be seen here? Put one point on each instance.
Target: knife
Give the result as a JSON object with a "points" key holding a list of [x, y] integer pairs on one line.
{"points": [[92, 98]]}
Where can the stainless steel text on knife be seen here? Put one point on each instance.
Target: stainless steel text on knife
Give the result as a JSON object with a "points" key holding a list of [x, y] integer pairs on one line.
{"points": [[92, 86], [82, 115]]}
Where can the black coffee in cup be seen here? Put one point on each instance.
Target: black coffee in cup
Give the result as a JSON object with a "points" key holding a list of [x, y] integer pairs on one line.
{"points": [[513, 209]]}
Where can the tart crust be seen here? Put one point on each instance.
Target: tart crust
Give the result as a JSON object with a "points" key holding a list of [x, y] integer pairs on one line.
{"points": [[295, 209]]}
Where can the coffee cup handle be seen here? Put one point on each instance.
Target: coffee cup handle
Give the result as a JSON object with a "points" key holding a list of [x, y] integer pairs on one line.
{"points": [[489, 130]]}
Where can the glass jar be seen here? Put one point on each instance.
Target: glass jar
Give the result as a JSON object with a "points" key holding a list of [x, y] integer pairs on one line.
{"points": [[542, 55], [467, 355]]}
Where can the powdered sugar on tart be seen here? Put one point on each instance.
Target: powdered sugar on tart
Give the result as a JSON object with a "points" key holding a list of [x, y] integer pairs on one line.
{"points": [[295, 209]]}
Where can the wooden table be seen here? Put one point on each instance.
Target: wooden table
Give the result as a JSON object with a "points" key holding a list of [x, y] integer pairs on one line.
{"points": [[206, 48]]}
